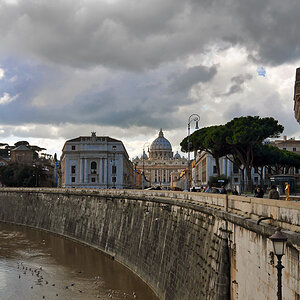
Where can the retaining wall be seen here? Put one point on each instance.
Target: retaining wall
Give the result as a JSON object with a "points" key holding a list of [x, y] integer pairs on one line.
{"points": [[184, 245]]}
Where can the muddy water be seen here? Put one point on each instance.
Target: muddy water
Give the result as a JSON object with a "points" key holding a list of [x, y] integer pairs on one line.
{"points": [[40, 265]]}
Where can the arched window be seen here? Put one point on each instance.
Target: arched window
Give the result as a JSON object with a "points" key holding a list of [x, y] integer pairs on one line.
{"points": [[93, 167]]}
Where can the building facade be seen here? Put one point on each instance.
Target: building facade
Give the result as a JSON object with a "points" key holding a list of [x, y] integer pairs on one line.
{"points": [[95, 162], [161, 163], [21, 155], [297, 95]]}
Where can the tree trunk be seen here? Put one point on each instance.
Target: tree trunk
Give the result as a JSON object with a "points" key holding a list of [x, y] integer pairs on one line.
{"points": [[249, 180]]}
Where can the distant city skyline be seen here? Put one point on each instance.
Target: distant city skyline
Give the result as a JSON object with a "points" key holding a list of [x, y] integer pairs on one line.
{"points": [[126, 69]]}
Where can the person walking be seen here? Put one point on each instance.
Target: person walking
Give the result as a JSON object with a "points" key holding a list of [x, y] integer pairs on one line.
{"points": [[273, 194], [235, 192], [287, 191], [223, 190]]}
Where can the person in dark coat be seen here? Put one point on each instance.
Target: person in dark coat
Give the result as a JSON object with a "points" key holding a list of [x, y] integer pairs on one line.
{"points": [[273, 194], [223, 190], [259, 192], [235, 192]]}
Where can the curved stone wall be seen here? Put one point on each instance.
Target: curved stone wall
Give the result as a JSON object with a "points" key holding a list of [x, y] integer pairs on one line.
{"points": [[181, 244]]}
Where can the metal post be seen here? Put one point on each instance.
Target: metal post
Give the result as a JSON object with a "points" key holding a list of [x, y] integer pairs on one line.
{"points": [[188, 172], [195, 118], [279, 267], [143, 169], [143, 172]]}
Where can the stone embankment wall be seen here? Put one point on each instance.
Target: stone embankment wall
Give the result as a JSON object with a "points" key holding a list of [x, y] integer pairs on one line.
{"points": [[184, 245]]}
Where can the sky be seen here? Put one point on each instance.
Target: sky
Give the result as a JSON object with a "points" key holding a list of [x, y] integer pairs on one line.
{"points": [[126, 68]]}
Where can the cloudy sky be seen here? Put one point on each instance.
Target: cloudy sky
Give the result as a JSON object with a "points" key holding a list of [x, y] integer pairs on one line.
{"points": [[126, 68]]}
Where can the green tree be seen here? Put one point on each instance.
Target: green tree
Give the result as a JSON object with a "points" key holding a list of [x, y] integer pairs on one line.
{"points": [[211, 140], [266, 156], [246, 133], [19, 175]]}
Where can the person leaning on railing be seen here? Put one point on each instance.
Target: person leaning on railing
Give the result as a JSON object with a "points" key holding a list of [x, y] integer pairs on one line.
{"points": [[273, 194]]}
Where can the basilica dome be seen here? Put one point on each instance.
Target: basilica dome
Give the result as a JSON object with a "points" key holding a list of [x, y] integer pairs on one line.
{"points": [[161, 143], [161, 147]]}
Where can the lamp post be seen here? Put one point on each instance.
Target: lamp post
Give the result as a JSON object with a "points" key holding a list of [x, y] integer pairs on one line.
{"points": [[143, 172], [279, 244], [196, 119]]}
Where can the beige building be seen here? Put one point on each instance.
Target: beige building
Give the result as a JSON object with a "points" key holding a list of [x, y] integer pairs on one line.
{"points": [[290, 144], [22, 155], [158, 167]]}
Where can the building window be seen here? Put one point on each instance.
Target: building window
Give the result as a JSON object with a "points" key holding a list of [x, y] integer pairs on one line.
{"points": [[114, 169], [283, 148], [93, 179], [294, 149], [256, 179], [73, 179], [114, 179], [236, 179], [93, 167], [235, 169], [73, 169], [73, 147], [215, 169], [114, 147]]}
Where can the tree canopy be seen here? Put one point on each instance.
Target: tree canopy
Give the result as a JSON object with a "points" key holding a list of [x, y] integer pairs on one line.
{"points": [[237, 138]]}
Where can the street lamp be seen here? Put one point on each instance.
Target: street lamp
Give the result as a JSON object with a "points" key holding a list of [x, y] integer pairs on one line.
{"points": [[143, 173], [192, 118], [279, 244]]}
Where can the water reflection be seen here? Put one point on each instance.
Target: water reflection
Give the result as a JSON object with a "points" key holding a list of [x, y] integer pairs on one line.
{"points": [[39, 265]]}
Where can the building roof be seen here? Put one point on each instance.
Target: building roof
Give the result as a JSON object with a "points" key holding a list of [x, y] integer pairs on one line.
{"points": [[21, 148], [98, 139], [161, 143]]}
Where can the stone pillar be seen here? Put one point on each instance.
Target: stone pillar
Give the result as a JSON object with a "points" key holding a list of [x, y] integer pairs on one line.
{"points": [[106, 172], [86, 171], [67, 171], [81, 170], [100, 170]]}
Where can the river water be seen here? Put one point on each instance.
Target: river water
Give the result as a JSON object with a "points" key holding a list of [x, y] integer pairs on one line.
{"points": [[39, 265]]}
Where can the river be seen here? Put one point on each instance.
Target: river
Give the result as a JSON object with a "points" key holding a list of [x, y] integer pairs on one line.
{"points": [[39, 265]]}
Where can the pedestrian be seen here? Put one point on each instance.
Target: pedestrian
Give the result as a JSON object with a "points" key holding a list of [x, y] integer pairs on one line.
{"points": [[287, 191], [259, 192], [273, 194], [235, 192], [223, 190], [207, 189]]}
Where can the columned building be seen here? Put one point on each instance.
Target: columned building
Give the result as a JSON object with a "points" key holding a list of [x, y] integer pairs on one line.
{"points": [[157, 168], [95, 162]]}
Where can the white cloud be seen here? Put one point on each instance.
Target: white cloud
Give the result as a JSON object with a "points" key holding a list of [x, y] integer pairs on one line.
{"points": [[6, 98], [2, 73]]}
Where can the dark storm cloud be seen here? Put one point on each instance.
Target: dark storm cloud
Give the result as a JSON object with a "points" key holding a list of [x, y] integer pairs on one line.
{"points": [[138, 35], [191, 77], [237, 84], [131, 100]]}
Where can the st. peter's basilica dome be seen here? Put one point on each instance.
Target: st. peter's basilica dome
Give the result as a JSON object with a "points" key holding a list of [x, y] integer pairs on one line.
{"points": [[161, 147]]}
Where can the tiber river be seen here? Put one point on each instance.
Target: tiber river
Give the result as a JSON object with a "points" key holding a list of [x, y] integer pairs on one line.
{"points": [[39, 265]]}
